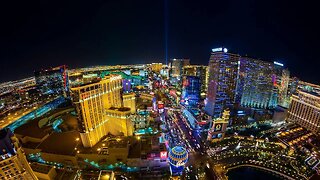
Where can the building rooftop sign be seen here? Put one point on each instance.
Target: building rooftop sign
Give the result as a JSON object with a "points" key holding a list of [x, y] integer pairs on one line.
{"points": [[277, 63], [220, 50]]}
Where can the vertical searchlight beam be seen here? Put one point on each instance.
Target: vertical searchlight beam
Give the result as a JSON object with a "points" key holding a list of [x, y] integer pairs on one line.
{"points": [[166, 23]]}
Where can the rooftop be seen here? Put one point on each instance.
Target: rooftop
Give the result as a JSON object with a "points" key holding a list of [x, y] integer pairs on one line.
{"points": [[32, 129], [41, 168], [118, 144], [120, 109], [61, 143], [311, 93]]}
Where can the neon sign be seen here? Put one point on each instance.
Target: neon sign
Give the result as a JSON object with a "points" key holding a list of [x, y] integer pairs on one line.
{"points": [[163, 154], [277, 63], [225, 50], [218, 127]]}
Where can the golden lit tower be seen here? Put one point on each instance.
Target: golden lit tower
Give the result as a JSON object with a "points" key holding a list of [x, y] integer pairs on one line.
{"points": [[92, 101], [129, 100], [305, 110], [177, 65]]}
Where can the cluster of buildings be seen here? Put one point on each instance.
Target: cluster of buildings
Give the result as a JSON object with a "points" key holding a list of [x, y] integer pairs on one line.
{"points": [[249, 82], [105, 103], [235, 82], [101, 109]]}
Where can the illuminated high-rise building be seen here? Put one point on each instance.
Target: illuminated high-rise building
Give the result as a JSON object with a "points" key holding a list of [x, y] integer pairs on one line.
{"points": [[199, 71], [156, 67], [293, 86], [305, 110], [92, 100], [53, 80], [177, 65], [283, 85], [190, 90], [280, 79], [222, 81], [13, 162], [256, 83]]}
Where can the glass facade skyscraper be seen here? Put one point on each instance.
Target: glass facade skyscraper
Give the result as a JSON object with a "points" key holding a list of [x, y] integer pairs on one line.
{"points": [[222, 81], [281, 84], [190, 90], [53, 80], [257, 79], [250, 82], [177, 65], [201, 72], [262, 84]]}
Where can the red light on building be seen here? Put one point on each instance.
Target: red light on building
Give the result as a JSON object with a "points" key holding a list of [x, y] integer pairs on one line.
{"points": [[202, 122], [163, 154], [160, 105]]}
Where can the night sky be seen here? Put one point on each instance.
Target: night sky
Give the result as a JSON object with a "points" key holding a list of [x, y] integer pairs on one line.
{"points": [[36, 34]]}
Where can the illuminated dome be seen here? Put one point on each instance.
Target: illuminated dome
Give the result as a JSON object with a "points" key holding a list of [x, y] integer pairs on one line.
{"points": [[178, 156]]}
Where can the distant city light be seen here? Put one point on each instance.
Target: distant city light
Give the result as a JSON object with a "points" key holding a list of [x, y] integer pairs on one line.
{"points": [[277, 63]]}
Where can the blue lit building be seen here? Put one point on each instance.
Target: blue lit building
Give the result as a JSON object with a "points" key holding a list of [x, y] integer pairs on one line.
{"points": [[126, 85], [190, 95], [261, 83], [199, 71], [241, 80], [223, 74], [178, 157], [256, 76], [53, 81]]}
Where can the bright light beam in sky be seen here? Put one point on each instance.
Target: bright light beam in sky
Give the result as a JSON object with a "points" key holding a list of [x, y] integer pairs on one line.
{"points": [[166, 14]]}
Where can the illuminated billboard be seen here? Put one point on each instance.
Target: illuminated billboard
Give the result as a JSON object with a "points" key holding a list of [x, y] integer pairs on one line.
{"points": [[163, 155], [225, 50], [218, 127]]}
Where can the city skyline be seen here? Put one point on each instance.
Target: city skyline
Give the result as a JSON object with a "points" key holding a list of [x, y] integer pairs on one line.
{"points": [[210, 90], [152, 120], [51, 34]]}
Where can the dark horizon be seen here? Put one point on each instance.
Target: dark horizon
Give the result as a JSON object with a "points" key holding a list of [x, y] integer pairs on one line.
{"points": [[41, 34]]}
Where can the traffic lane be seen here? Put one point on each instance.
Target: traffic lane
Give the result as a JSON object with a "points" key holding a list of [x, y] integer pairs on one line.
{"points": [[193, 135]]}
